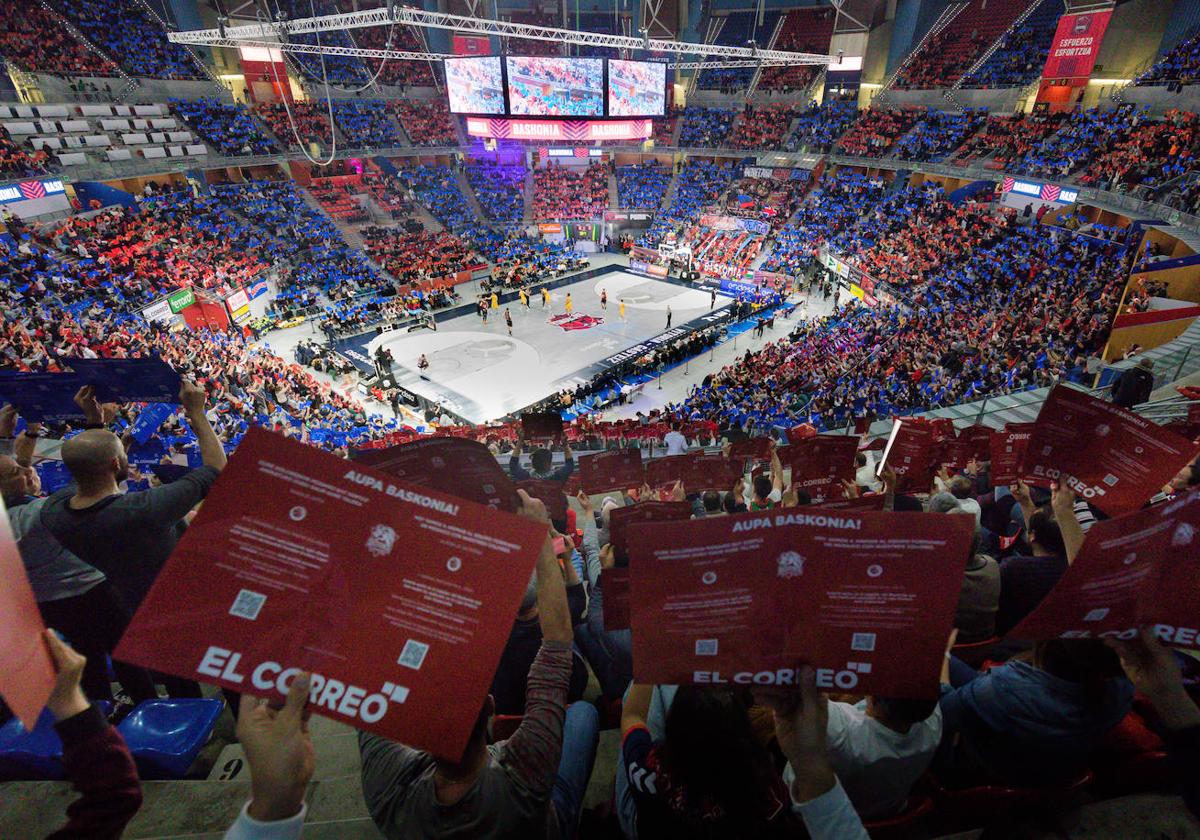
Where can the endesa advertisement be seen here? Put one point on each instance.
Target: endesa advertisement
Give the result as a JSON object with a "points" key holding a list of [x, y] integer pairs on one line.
{"points": [[397, 598], [867, 599]]}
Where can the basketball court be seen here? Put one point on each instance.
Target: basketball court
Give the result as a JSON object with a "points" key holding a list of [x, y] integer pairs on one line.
{"points": [[480, 373]]}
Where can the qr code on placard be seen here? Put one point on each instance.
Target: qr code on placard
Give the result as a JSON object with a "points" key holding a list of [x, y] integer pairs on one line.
{"points": [[1111, 480], [413, 655], [862, 641], [248, 604], [706, 647]]}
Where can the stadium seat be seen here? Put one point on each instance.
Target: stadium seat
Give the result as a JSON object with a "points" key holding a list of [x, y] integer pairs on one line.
{"points": [[915, 810], [31, 755], [503, 726], [974, 653], [984, 803], [165, 736]]}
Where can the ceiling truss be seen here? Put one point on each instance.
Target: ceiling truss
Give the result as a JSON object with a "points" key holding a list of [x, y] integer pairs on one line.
{"points": [[277, 34]]}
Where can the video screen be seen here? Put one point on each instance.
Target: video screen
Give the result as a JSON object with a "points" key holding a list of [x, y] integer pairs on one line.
{"points": [[540, 86], [474, 85], [637, 88]]}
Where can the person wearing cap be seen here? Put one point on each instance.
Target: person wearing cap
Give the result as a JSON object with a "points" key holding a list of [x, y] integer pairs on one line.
{"points": [[1133, 387]]}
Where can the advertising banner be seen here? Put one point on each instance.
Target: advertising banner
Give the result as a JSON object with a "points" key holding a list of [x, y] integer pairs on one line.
{"points": [[398, 599]]}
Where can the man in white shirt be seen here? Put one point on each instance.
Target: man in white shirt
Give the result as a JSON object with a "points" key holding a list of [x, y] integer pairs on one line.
{"points": [[879, 749], [675, 441]]}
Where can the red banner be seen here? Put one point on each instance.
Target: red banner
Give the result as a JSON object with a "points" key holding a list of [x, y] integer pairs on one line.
{"points": [[1113, 458], [471, 45], [1138, 569], [619, 520], [712, 472], [820, 464], [1076, 44], [398, 599], [550, 493], [758, 448], [871, 501], [867, 599], [1007, 450], [662, 472], [26, 672], [620, 469]]}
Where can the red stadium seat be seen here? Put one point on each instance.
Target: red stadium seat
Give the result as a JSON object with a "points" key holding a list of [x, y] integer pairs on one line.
{"points": [[915, 810], [974, 653], [504, 726], [983, 803]]}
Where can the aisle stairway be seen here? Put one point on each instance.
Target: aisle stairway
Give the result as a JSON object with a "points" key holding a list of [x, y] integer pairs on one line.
{"points": [[464, 186], [614, 200], [527, 192]]}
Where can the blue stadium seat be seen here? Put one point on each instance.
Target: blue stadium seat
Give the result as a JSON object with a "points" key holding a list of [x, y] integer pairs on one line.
{"points": [[31, 755], [166, 735]]}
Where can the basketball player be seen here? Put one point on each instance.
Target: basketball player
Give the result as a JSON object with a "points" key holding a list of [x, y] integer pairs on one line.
{"points": [[668, 316], [508, 319], [621, 310], [483, 305], [569, 304], [604, 298], [524, 298], [495, 301], [545, 297]]}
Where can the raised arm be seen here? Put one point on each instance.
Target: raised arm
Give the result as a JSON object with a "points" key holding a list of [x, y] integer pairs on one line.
{"points": [[1062, 500], [212, 453]]}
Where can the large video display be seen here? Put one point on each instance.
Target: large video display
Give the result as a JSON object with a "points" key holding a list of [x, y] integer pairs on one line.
{"points": [[540, 86], [636, 88], [475, 85]]}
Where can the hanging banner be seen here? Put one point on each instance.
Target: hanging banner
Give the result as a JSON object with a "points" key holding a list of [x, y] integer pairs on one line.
{"points": [[1076, 45]]}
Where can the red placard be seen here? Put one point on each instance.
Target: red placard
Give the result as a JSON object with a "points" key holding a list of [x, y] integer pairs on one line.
{"points": [[1111, 457], [1007, 450], [820, 464], [712, 472], [867, 599], [26, 671], [979, 441], [1076, 44], [548, 492], [1138, 569], [661, 472], [620, 469], [614, 584], [871, 501], [541, 424], [908, 452], [460, 467], [398, 599], [619, 520], [801, 432], [758, 448]]}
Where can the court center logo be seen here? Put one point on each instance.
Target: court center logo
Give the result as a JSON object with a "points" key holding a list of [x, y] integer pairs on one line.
{"points": [[381, 541], [576, 322]]}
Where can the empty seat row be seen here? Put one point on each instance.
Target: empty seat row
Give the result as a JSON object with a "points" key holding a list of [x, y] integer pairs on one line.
{"points": [[58, 112], [117, 124], [190, 150], [92, 141], [140, 139]]}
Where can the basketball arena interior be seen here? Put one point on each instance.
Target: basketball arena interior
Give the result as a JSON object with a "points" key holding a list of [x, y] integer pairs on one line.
{"points": [[655, 419]]}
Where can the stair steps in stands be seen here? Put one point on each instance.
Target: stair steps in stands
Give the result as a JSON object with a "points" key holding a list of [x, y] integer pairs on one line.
{"points": [[613, 196], [527, 192], [464, 186]]}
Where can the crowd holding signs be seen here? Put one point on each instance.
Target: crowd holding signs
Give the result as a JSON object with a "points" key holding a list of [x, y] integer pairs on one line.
{"points": [[390, 581]]}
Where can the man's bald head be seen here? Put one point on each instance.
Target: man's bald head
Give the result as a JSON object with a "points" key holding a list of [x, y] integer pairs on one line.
{"points": [[94, 457]]}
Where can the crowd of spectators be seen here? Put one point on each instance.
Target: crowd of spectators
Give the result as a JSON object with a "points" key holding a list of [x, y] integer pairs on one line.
{"points": [[699, 184], [938, 133], [818, 126], [427, 122], [417, 257], [521, 260], [365, 122], [1026, 305], [500, 190], [228, 128], [1022, 53], [339, 199], [1151, 154], [20, 160], [1084, 135], [762, 126], [35, 40], [705, 128], [308, 120], [388, 193], [126, 32], [1006, 138], [1180, 65], [435, 188], [835, 205], [642, 186], [565, 192], [341, 70], [806, 31], [399, 72], [876, 131]]}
